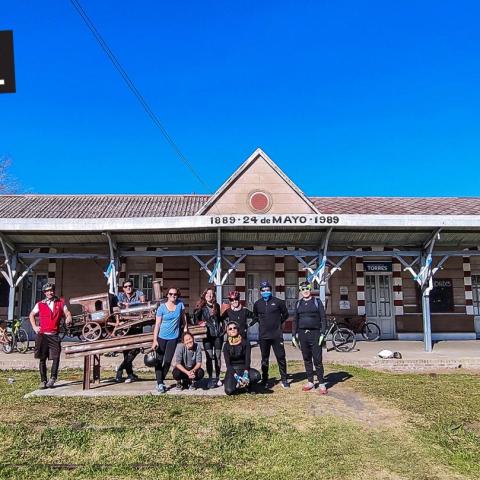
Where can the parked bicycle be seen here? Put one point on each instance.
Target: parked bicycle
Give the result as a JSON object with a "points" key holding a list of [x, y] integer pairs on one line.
{"points": [[343, 339], [13, 337], [370, 331]]}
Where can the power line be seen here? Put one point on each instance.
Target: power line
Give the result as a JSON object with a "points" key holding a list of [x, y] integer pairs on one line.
{"points": [[103, 44]]}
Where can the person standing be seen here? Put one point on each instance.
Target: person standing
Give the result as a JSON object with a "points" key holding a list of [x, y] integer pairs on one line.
{"points": [[50, 312], [129, 297], [188, 363], [237, 313], [207, 312], [309, 325], [169, 319], [236, 353], [270, 312]]}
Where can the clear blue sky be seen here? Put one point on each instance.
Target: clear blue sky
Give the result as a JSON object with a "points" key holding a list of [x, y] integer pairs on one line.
{"points": [[347, 97]]}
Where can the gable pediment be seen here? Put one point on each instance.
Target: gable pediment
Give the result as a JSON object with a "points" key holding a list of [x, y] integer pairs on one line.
{"points": [[258, 186]]}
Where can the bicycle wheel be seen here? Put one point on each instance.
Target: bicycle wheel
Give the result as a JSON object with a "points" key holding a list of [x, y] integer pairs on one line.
{"points": [[371, 332], [8, 346], [22, 340], [343, 340]]}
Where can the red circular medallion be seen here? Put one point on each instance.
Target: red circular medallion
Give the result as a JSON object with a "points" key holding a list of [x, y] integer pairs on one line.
{"points": [[259, 202]]}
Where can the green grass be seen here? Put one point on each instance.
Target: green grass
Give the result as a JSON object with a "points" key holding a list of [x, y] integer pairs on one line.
{"points": [[423, 427]]}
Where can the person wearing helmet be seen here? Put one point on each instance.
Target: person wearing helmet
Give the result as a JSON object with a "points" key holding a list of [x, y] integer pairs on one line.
{"points": [[270, 312], [236, 312], [309, 325], [51, 310], [236, 353]]}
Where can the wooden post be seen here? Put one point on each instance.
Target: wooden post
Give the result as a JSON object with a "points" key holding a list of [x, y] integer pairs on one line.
{"points": [[96, 368], [87, 362]]}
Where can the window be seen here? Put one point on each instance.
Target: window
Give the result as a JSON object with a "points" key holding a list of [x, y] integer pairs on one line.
{"points": [[476, 294], [291, 290], [4, 292], [143, 282], [31, 292], [441, 296]]}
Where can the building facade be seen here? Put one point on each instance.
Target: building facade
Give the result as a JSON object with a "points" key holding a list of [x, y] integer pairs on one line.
{"points": [[412, 265]]}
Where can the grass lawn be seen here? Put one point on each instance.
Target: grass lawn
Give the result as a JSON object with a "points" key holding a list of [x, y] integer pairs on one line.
{"points": [[371, 425]]}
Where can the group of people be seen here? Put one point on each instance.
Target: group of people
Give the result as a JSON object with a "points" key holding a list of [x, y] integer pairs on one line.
{"points": [[226, 336]]}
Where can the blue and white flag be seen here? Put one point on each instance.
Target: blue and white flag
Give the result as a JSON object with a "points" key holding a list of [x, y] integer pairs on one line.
{"points": [[110, 276]]}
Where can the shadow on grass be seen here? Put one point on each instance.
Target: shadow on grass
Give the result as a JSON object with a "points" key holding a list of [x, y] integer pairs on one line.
{"points": [[331, 379]]}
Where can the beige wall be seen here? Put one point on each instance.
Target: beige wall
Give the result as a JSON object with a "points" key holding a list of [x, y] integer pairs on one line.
{"points": [[260, 176]]}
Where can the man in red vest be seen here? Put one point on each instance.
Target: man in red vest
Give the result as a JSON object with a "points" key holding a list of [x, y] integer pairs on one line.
{"points": [[50, 312]]}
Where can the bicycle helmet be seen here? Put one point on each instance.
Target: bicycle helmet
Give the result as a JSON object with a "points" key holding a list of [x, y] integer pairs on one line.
{"points": [[233, 295], [303, 285], [150, 359], [265, 284], [48, 286]]}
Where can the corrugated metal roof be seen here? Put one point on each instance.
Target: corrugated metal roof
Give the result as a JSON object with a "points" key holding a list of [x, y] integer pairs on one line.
{"points": [[131, 206]]}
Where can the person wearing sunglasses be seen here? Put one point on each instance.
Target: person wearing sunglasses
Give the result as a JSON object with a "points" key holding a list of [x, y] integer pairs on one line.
{"points": [[207, 312], [236, 312], [270, 312], [169, 320], [50, 311], [128, 297], [309, 325], [236, 352]]}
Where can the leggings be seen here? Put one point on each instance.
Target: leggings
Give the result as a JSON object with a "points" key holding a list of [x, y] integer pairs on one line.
{"points": [[43, 368], [128, 358], [213, 353], [279, 351], [229, 382], [165, 352], [311, 350]]}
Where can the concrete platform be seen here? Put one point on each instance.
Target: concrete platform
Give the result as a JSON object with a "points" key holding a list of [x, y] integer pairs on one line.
{"points": [[449, 354], [108, 388]]}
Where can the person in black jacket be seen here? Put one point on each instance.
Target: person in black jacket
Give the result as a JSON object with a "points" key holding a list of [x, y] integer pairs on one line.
{"points": [[237, 313], [207, 312], [270, 313], [308, 329], [236, 352]]}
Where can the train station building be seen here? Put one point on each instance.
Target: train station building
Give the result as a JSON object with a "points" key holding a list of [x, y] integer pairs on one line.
{"points": [[411, 265]]}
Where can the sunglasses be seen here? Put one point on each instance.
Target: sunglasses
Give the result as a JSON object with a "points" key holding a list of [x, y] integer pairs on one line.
{"points": [[128, 286], [49, 290], [232, 328], [173, 294], [305, 289]]}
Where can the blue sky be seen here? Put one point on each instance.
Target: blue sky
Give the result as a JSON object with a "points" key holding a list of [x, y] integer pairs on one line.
{"points": [[348, 98]]}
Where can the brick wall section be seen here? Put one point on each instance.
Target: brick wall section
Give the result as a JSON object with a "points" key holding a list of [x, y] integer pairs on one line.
{"points": [[360, 281], [280, 277], [467, 281]]}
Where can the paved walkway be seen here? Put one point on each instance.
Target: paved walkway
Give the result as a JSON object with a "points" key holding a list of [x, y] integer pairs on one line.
{"points": [[446, 355]]}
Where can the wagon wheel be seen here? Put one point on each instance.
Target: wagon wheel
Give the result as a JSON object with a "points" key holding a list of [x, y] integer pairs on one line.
{"points": [[112, 323], [92, 331], [120, 331]]}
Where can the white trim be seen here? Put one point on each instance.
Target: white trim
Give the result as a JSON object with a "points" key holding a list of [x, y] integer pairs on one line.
{"points": [[207, 221]]}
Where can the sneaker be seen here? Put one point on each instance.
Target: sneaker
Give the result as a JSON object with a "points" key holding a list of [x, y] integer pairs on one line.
{"points": [[211, 383], [179, 386], [192, 387], [119, 376], [219, 383], [322, 389], [131, 378], [161, 388], [42, 386], [51, 383], [264, 382], [308, 386], [285, 384]]}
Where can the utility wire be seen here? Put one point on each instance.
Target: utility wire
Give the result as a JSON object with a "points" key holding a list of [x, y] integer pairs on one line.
{"points": [[103, 44]]}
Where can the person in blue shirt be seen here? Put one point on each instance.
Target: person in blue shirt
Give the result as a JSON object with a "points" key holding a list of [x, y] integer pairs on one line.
{"points": [[170, 319]]}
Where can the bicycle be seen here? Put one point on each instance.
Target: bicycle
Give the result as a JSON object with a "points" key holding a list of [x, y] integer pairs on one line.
{"points": [[370, 331], [13, 337], [343, 339]]}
